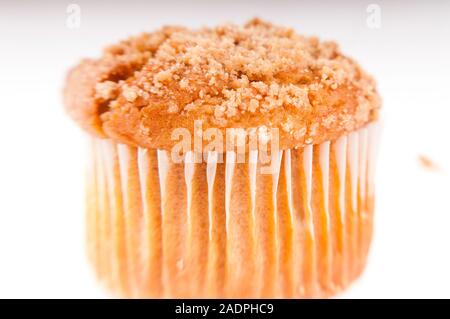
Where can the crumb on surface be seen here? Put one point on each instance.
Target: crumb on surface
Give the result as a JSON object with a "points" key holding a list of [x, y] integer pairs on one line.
{"points": [[427, 163]]}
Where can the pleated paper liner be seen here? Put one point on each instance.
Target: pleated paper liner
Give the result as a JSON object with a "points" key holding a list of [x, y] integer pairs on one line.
{"points": [[163, 229]]}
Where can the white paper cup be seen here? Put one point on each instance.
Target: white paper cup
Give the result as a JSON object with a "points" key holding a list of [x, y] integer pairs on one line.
{"points": [[160, 229]]}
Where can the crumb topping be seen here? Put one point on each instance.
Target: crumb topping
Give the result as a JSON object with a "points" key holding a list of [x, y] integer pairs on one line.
{"points": [[225, 75]]}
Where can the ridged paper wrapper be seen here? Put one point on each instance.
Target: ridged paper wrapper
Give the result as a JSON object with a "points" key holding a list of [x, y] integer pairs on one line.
{"points": [[161, 229]]}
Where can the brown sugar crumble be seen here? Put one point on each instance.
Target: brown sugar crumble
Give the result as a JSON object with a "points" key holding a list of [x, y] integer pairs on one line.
{"points": [[228, 76]]}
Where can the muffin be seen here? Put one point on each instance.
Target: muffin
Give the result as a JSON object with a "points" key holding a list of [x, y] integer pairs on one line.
{"points": [[233, 162]]}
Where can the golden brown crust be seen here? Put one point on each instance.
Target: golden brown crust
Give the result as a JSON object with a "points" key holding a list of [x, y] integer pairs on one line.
{"points": [[253, 76]]}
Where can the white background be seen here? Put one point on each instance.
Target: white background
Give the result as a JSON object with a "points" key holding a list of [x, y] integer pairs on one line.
{"points": [[42, 152]]}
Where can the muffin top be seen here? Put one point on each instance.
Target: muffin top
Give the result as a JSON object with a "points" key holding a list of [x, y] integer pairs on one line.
{"points": [[255, 77]]}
